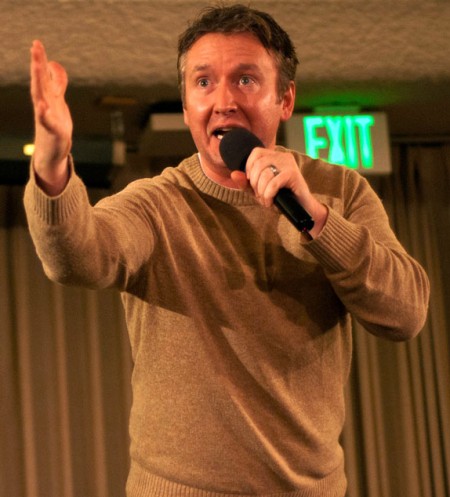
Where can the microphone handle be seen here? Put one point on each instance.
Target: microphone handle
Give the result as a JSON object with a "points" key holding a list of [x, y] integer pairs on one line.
{"points": [[289, 206]]}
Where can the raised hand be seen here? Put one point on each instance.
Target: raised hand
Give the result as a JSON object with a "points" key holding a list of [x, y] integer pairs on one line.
{"points": [[53, 122]]}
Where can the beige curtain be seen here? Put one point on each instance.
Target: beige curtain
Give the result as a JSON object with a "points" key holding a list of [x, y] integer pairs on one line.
{"points": [[65, 365], [65, 373], [397, 436]]}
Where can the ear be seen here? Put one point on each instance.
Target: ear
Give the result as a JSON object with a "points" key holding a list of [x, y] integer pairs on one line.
{"points": [[288, 102]]}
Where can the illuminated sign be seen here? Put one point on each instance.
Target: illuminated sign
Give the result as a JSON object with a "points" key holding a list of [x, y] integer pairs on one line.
{"points": [[357, 140]]}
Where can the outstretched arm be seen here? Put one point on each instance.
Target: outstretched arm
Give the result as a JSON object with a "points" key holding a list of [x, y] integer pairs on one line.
{"points": [[53, 122]]}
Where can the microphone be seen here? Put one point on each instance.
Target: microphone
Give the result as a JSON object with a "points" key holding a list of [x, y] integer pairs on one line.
{"points": [[235, 147]]}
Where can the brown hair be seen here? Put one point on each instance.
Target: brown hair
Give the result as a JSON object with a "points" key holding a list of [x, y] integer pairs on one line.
{"points": [[241, 19]]}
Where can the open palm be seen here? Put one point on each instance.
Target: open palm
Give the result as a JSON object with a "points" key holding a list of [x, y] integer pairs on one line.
{"points": [[53, 122]]}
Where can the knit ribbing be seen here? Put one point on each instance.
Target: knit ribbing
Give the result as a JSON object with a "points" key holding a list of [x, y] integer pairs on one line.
{"points": [[55, 210], [206, 185], [142, 483], [339, 241]]}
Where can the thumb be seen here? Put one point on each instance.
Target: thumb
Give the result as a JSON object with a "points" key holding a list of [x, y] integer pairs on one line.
{"points": [[240, 179]]}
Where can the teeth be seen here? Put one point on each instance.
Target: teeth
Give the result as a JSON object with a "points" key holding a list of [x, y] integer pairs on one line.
{"points": [[221, 132]]}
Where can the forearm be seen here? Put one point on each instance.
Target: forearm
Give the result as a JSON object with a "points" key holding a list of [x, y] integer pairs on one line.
{"points": [[52, 181], [378, 282], [79, 244]]}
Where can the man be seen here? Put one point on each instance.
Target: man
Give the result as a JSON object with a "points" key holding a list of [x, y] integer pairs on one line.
{"points": [[239, 323]]}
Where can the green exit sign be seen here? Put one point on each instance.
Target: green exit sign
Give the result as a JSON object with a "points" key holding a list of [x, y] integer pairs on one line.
{"points": [[359, 141]]}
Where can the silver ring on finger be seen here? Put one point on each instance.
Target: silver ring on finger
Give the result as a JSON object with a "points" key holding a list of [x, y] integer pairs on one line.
{"points": [[275, 170]]}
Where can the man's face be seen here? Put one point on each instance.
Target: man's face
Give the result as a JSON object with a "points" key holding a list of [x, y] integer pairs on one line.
{"points": [[231, 81]]}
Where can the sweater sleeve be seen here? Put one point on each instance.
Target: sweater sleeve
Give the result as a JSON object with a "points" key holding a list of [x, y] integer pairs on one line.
{"points": [[85, 245], [383, 287]]}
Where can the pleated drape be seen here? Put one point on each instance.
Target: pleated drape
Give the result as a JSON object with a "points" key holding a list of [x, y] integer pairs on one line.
{"points": [[65, 365], [397, 434], [65, 380]]}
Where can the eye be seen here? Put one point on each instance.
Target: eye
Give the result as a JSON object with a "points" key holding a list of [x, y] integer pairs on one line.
{"points": [[245, 80], [203, 82]]}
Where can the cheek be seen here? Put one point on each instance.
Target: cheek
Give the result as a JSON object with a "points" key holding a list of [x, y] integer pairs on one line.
{"points": [[266, 105], [185, 116], [195, 111]]}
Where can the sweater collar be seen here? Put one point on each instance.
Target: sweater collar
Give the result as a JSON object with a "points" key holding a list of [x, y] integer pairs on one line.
{"points": [[194, 170]]}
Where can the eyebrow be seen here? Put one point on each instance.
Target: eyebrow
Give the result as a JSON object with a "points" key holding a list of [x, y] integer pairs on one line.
{"points": [[200, 67], [240, 67]]}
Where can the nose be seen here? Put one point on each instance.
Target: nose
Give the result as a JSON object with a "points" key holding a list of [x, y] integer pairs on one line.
{"points": [[225, 101]]}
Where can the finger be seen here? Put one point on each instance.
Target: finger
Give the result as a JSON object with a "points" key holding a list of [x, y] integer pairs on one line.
{"points": [[271, 189], [259, 168], [266, 177], [46, 76], [58, 77], [38, 52], [38, 72], [260, 174], [267, 187]]}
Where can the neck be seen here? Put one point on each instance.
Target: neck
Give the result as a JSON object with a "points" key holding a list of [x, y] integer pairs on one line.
{"points": [[220, 179]]}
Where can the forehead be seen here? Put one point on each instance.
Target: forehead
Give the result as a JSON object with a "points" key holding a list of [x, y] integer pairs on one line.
{"points": [[214, 49]]}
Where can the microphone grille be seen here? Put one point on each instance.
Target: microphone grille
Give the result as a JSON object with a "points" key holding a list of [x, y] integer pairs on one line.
{"points": [[236, 146]]}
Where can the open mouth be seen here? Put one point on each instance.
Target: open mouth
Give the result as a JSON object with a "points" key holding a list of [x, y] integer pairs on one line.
{"points": [[221, 132]]}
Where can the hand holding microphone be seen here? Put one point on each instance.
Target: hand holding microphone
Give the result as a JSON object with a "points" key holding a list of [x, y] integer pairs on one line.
{"points": [[235, 148]]}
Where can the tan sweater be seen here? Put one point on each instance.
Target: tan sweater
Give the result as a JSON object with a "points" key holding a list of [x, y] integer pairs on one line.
{"points": [[239, 326]]}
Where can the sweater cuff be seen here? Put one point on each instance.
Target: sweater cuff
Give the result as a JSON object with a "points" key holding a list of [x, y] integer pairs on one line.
{"points": [[338, 243], [54, 210]]}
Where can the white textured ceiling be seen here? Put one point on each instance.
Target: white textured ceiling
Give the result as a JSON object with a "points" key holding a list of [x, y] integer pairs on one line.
{"points": [[391, 55]]}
